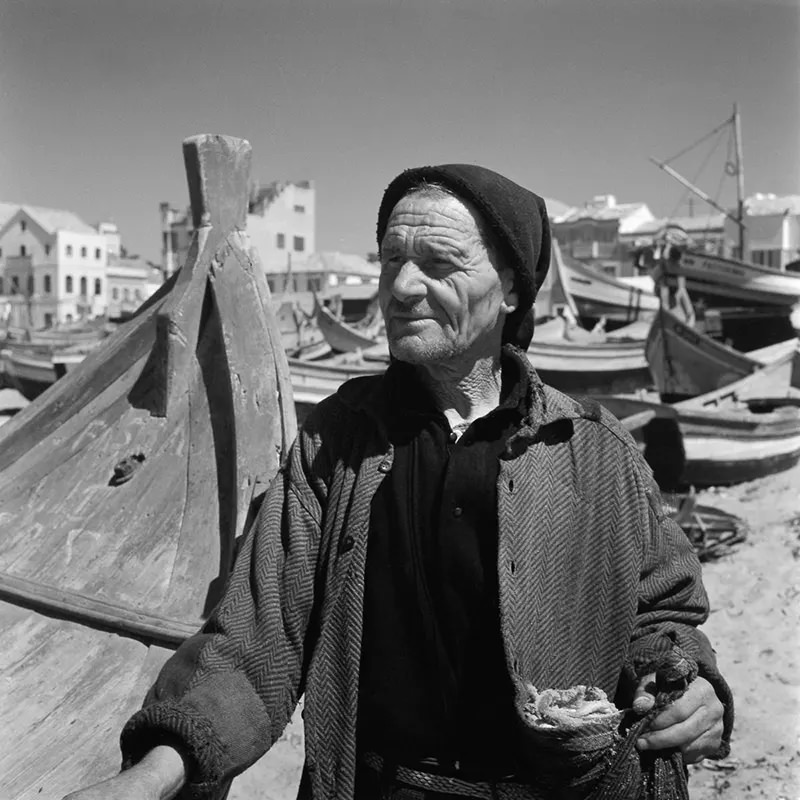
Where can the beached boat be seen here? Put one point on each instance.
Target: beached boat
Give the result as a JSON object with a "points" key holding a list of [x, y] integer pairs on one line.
{"points": [[123, 490], [746, 430], [573, 367], [684, 362], [343, 337], [597, 296], [725, 282]]}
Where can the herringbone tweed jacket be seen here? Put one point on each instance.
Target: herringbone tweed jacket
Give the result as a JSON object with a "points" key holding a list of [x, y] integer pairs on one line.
{"points": [[591, 575]]}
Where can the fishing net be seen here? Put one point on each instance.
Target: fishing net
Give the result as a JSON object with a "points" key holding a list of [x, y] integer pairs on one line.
{"points": [[582, 747]]}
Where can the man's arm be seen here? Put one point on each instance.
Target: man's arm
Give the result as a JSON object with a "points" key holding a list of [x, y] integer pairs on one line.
{"points": [[160, 775], [672, 604], [227, 693]]}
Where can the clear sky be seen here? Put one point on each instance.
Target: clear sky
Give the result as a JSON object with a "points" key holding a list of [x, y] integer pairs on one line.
{"points": [[567, 97]]}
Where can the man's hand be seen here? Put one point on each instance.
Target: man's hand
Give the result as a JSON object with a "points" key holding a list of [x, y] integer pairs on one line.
{"points": [[158, 776], [692, 723]]}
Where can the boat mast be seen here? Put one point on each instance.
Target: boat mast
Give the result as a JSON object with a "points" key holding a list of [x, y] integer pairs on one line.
{"points": [[737, 135], [731, 169]]}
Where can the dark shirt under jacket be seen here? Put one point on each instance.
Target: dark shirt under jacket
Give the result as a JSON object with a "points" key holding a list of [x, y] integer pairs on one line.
{"points": [[433, 677]]}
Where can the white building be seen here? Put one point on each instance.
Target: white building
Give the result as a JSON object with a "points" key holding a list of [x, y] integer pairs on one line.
{"points": [[596, 232], [130, 282], [52, 267], [281, 224], [772, 233]]}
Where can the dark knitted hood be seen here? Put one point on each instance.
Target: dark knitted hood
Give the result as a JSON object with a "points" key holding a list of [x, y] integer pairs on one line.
{"points": [[515, 219]]}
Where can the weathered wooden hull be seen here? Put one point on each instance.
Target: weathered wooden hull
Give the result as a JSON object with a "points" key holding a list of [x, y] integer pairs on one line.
{"points": [[123, 489]]}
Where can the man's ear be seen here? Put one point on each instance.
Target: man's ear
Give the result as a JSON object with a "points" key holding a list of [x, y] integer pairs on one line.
{"points": [[510, 294]]}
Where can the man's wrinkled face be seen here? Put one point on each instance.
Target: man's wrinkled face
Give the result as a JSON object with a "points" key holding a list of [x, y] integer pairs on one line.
{"points": [[442, 297]]}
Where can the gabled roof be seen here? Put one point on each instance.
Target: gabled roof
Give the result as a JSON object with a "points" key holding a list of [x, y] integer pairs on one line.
{"points": [[556, 209], [56, 219], [7, 210], [764, 204]]}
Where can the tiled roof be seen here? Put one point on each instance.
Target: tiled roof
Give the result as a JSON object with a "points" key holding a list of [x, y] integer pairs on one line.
{"points": [[696, 224], [600, 213], [338, 263], [7, 210], [56, 219], [556, 209], [763, 204]]}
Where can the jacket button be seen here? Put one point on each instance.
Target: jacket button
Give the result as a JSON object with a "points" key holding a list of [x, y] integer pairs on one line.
{"points": [[346, 544], [458, 511], [385, 466]]}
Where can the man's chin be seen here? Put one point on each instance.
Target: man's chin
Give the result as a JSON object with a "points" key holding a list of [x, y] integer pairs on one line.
{"points": [[417, 351]]}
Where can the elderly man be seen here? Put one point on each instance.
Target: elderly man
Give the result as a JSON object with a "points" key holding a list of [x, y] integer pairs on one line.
{"points": [[440, 537]]}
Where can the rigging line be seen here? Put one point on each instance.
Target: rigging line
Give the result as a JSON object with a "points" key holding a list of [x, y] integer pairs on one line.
{"points": [[699, 141], [699, 170], [722, 177]]}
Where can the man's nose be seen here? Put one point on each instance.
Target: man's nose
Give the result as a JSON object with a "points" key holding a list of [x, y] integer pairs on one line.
{"points": [[407, 282]]}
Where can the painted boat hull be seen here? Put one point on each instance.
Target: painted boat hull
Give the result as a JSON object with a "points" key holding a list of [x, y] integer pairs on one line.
{"points": [[30, 373], [722, 282], [341, 337], [740, 432], [122, 492], [595, 295]]}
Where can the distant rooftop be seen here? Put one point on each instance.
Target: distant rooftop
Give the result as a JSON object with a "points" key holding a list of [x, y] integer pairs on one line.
{"points": [[763, 204], [695, 224], [602, 207], [555, 208], [338, 263], [50, 219]]}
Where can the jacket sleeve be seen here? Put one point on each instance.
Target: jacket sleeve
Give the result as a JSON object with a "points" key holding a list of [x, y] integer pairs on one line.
{"points": [[227, 693], [672, 603]]}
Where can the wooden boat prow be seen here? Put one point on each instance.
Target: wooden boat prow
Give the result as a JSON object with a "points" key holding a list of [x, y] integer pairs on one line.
{"points": [[123, 489]]}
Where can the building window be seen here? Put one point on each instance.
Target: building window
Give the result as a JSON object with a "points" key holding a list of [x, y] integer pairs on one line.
{"points": [[137, 293], [48, 320], [23, 225], [97, 253], [69, 250], [47, 249], [300, 209], [1, 286], [30, 285], [115, 293], [22, 250], [14, 284], [126, 294], [84, 285], [98, 286], [68, 284], [83, 252], [280, 241], [299, 244], [48, 284]]}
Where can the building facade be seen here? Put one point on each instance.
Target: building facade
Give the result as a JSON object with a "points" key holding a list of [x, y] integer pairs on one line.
{"points": [[52, 268], [596, 233], [772, 229], [130, 281], [281, 224]]}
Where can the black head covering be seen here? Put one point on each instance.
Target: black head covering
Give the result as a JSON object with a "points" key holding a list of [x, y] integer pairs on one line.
{"points": [[515, 219]]}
